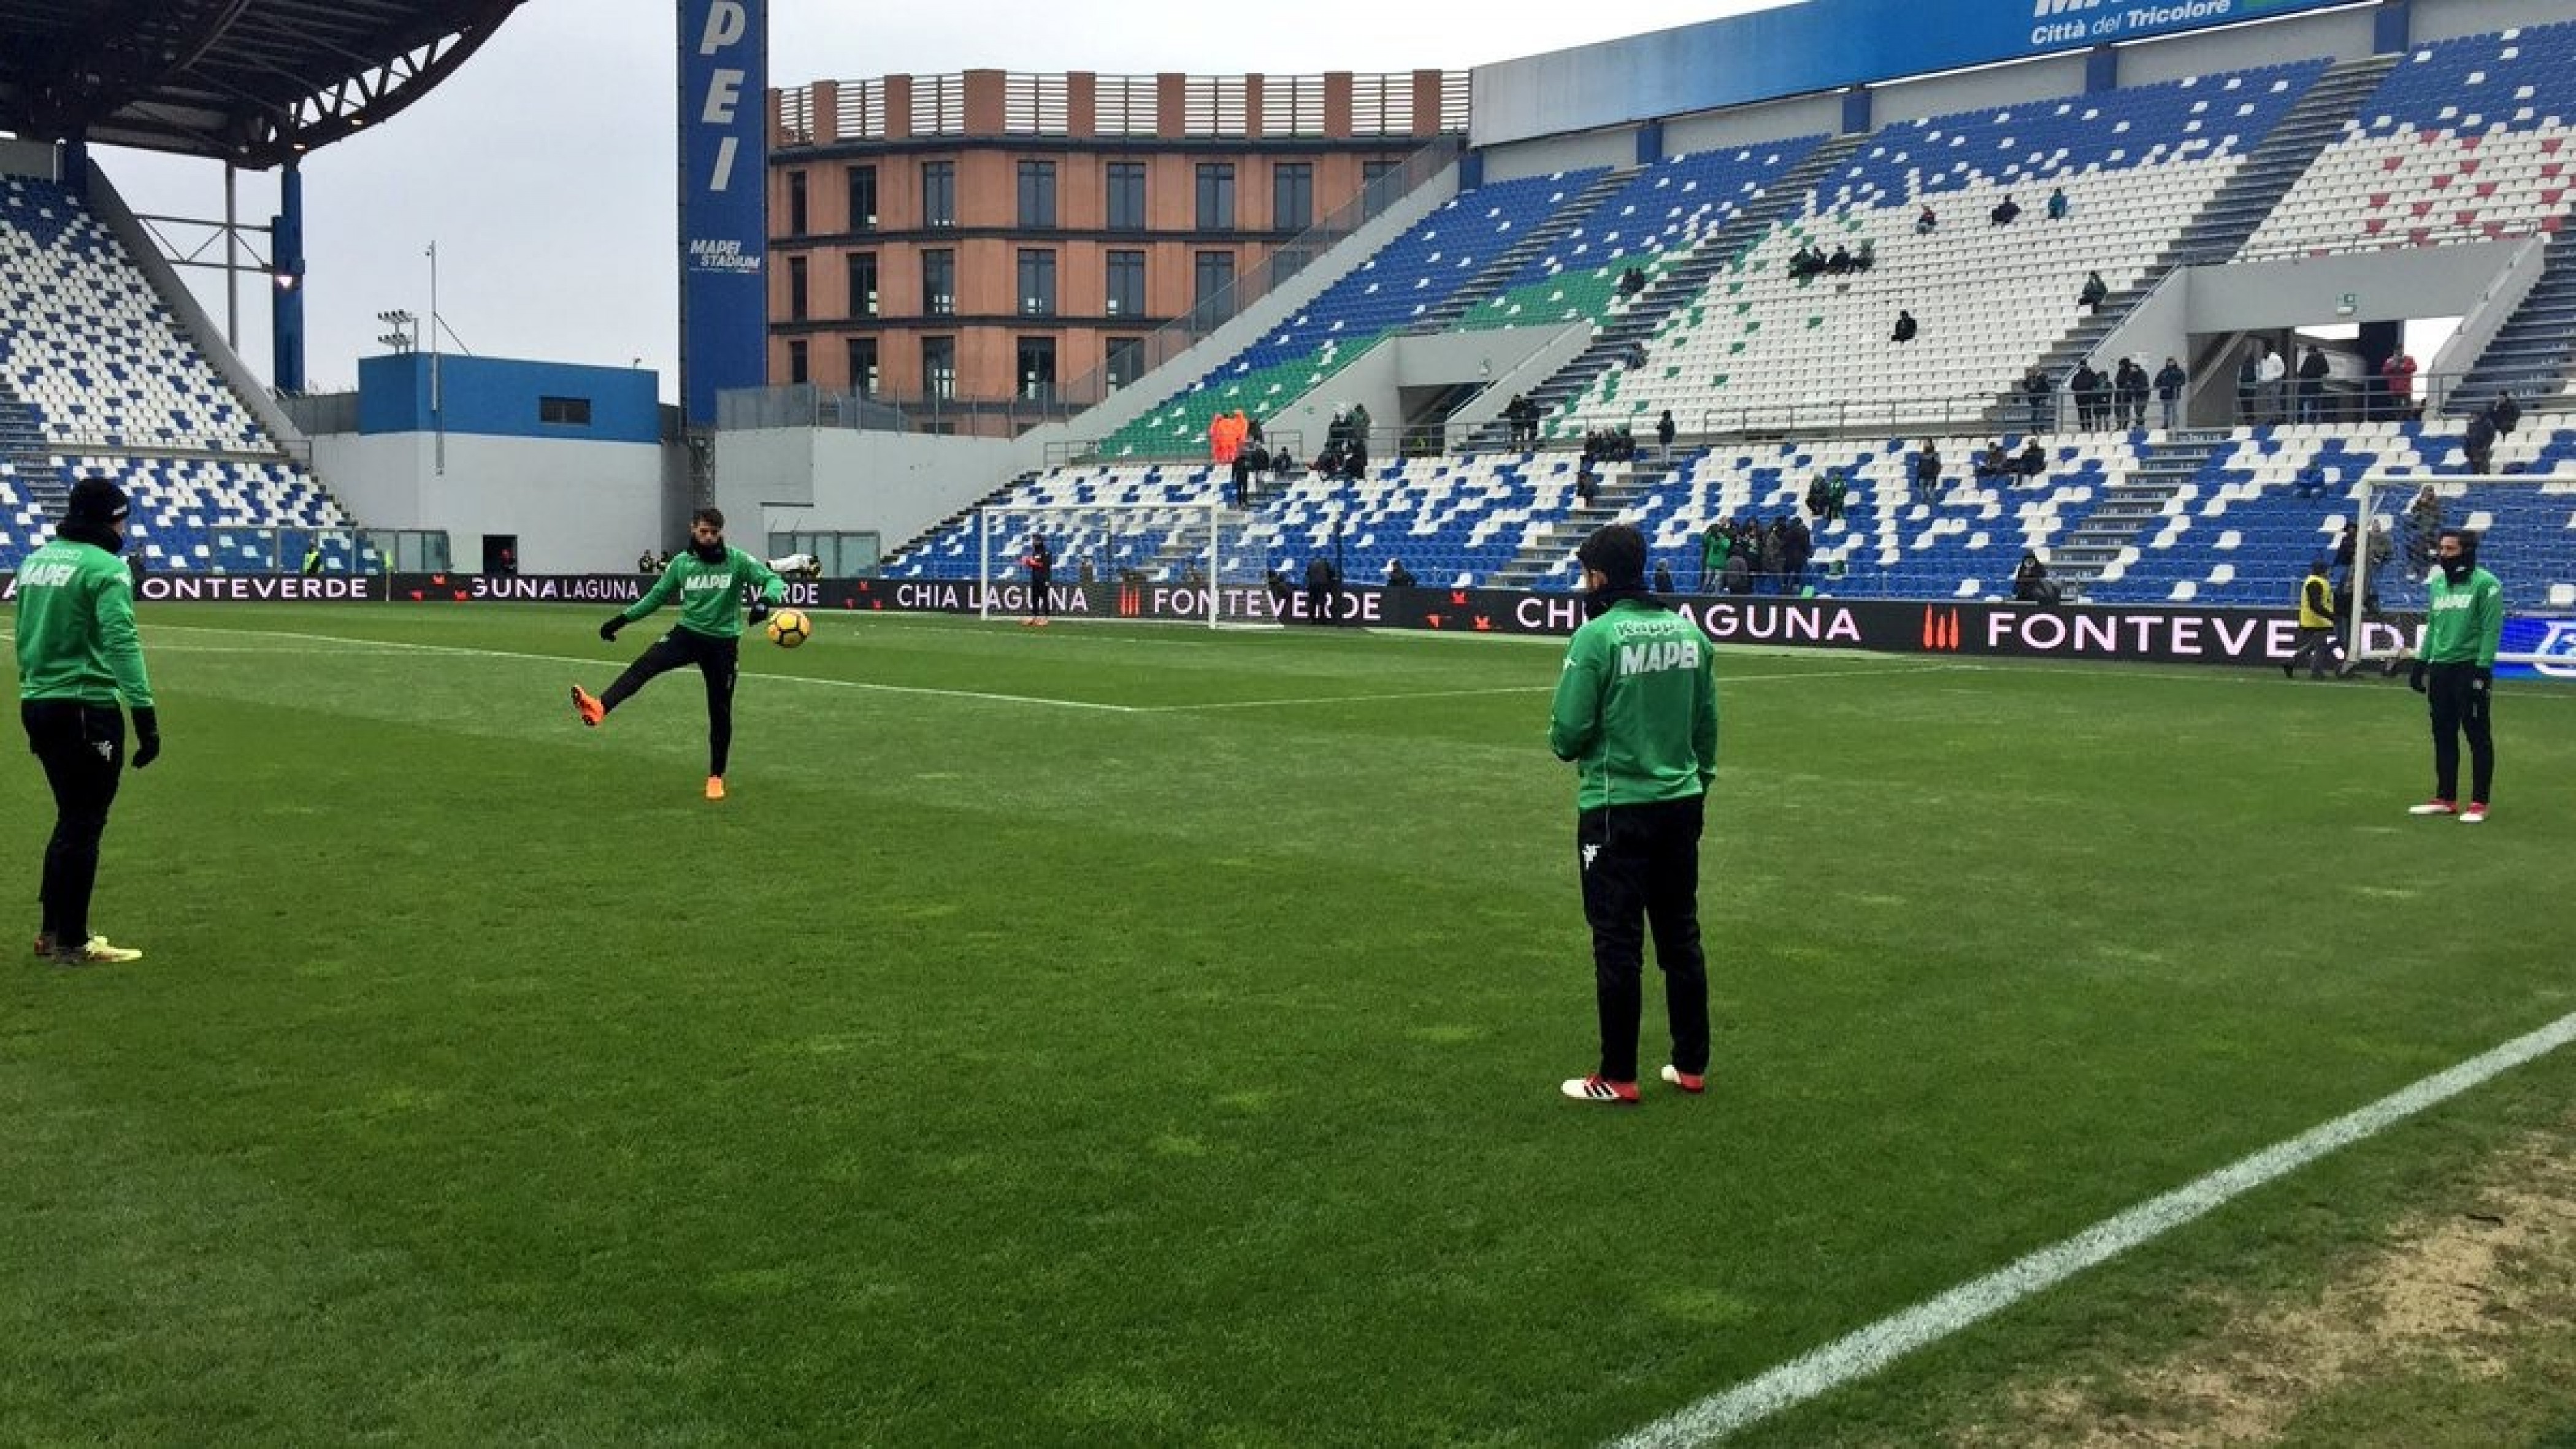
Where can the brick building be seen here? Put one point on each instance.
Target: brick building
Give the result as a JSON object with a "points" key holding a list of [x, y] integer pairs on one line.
{"points": [[989, 248]]}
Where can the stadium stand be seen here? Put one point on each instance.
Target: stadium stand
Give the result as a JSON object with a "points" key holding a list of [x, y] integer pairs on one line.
{"points": [[98, 375], [2465, 140], [1398, 286], [1762, 347]]}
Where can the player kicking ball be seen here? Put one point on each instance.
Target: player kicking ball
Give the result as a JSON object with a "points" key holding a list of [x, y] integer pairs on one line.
{"points": [[708, 580]]}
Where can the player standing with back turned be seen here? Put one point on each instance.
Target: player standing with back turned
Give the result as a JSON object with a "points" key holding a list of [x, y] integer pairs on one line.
{"points": [[1636, 713], [77, 652], [708, 580]]}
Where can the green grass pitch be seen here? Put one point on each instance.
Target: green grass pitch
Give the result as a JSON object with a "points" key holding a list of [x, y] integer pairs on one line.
{"points": [[1137, 1036]]}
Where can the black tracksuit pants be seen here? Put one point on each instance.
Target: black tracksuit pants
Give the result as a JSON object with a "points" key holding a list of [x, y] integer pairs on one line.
{"points": [[82, 747], [2459, 707], [1640, 867], [718, 660]]}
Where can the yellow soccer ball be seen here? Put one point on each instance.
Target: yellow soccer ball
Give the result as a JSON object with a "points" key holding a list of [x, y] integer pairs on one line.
{"points": [[789, 628]]}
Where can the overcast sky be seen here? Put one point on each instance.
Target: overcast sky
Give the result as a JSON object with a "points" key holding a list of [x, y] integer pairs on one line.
{"points": [[543, 169]]}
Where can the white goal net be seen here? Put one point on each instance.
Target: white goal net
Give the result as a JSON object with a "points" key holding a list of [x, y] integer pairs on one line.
{"points": [[2526, 526], [1137, 562]]}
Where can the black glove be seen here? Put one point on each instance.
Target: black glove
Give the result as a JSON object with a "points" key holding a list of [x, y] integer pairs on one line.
{"points": [[759, 608], [147, 737], [2415, 677], [608, 630], [2479, 679]]}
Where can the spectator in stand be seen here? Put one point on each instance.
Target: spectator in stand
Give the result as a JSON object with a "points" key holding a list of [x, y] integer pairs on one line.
{"points": [[2031, 584], [2092, 394], [1522, 415], [2313, 370], [2275, 375], [1716, 542], [2478, 442], [2034, 460], [2506, 412], [2249, 382], [1994, 462], [1926, 223], [2036, 390], [1663, 577], [1927, 474], [1837, 493], [2423, 529], [1801, 546], [2095, 292], [1632, 281], [1664, 431], [1905, 327], [2057, 206], [1816, 491], [2169, 385], [2004, 213], [2129, 387], [2399, 374], [1840, 263], [1397, 575]]}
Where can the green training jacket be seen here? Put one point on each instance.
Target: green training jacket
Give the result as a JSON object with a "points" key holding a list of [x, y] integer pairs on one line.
{"points": [[710, 593], [76, 635], [1636, 708], [2465, 622]]}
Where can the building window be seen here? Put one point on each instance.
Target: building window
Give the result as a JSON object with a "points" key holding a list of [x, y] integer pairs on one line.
{"points": [[1377, 185], [795, 203], [1216, 196], [1037, 368], [1037, 194], [1126, 209], [1126, 360], [1292, 195], [798, 372], [939, 366], [570, 412], [1212, 282], [863, 284], [1126, 291], [863, 366], [938, 193], [1037, 283], [939, 282], [863, 198], [796, 289]]}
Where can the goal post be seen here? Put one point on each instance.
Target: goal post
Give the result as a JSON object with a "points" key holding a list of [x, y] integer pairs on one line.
{"points": [[2526, 523], [1131, 561]]}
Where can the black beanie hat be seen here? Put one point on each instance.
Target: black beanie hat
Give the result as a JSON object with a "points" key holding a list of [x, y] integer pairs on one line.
{"points": [[95, 501], [1618, 552]]}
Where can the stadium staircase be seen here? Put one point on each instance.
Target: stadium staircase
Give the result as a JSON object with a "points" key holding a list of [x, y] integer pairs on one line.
{"points": [[2231, 215], [2129, 507], [1545, 550], [1676, 287], [2529, 355], [1536, 242]]}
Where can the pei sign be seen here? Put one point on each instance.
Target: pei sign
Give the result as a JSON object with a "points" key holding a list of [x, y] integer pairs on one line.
{"points": [[724, 188]]}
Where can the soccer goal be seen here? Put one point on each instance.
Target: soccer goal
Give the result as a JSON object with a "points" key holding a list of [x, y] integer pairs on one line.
{"points": [[2526, 524], [1131, 561]]}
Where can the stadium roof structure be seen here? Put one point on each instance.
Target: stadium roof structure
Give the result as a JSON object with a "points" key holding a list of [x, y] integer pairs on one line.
{"points": [[252, 82]]}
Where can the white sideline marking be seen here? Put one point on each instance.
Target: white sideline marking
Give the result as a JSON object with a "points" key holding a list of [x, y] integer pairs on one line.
{"points": [[1723, 681], [376, 646], [1864, 1352]]}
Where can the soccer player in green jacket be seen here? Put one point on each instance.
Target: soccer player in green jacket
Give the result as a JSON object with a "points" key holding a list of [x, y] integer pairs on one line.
{"points": [[1636, 713], [78, 652], [2455, 671], [708, 581]]}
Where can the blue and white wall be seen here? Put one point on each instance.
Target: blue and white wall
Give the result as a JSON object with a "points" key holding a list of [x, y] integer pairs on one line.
{"points": [[582, 498]]}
